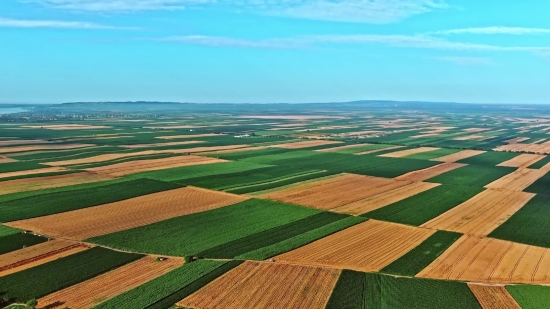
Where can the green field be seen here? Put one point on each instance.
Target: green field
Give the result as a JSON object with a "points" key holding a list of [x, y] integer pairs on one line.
{"points": [[472, 175], [52, 203], [421, 256], [530, 296], [368, 147], [206, 230], [61, 273], [5, 231], [541, 186], [540, 163], [422, 207], [170, 288], [489, 158], [529, 225], [349, 292], [18, 241], [20, 166]]}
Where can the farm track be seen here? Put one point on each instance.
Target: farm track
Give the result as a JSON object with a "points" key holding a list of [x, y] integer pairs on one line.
{"points": [[481, 214], [493, 297], [489, 260], [267, 285], [106, 286], [368, 246], [118, 216]]}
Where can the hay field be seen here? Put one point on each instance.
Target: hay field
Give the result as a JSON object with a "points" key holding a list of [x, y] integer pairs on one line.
{"points": [[463, 154], [342, 147], [408, 152], [6, 160], [138, 166], [160, 144], [523, 160], [335, 192], [518, 180], [118, 216], [89, 293], [14, 149], [378, 150], [266, 285], [489, 260], [38, 183], [481, 214], [493, 297], [429, 172], [101, 158], [306, 144], [368, 246], [33, 172]]}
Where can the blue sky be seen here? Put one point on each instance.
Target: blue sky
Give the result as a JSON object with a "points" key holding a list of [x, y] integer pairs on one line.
{"points": [[489, 51]]}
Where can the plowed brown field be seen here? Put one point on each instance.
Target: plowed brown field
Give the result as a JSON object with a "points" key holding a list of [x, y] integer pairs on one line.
{"points": [[33, 172], [481, 214], [523, 160], [14, 149], [342, 147], [518, 180], [109, 218], [473, 258], [160, 144], [258, 285], [408, 152], [138, 166], [377, 150], [30, 184], [429, 172], [385, 198], [39, 254], [306, 144], [458, 156], [335, 192], [368, 246], [493, 297], [106, 286]]}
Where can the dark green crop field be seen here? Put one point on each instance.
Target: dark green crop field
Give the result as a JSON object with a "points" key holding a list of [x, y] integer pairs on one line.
{"points": [[473, 175], [490, 158], [18, 241]]}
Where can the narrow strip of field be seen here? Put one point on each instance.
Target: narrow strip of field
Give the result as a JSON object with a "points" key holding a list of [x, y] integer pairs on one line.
{"points": [[489, 158], [306, 144], [478, 259], [188, 136], [68, 127], [267, 285], [38, 183], [523, 160], [43, 253], [408, 152], [493, 297], [335, 192], [518, 180], [458, 156], [428, 155], [132, 167], [32, 172], [127, 214], [23, 142], [368, 246], [429, 172], [481, 214], [108, 285], [6, 160], [343, 148], [473, 175], [160, 144], [15, 149], [385, 198], [101, 158], [385, 148]]}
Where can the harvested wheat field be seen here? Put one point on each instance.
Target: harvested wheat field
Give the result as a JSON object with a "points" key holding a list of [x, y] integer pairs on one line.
{"points": [[517, 140], [523, 160], [291, 117], [106, 286], [335, 192], [536, 148], [266, 285], [101, 158], [481, 214], [6, 160], [23, 142], [429, 172], [189, 136], [39, 254], [385, 198], [138, 166], [38, 183], [68, 127], [469, 137], [33, 172], [15, 149], [306, 144], [368, 246], [118, 216], [473, 258], [518, 180], [160, 144], [342, 147], [457, 156], [378, 150], [493, 297], [408, 152], [236, 150]]}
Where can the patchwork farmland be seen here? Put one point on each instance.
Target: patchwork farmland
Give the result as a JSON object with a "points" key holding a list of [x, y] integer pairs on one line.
{"points": [[310, 207]]}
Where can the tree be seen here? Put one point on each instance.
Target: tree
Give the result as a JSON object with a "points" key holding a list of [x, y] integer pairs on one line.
{"points": [[31, 304]]}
